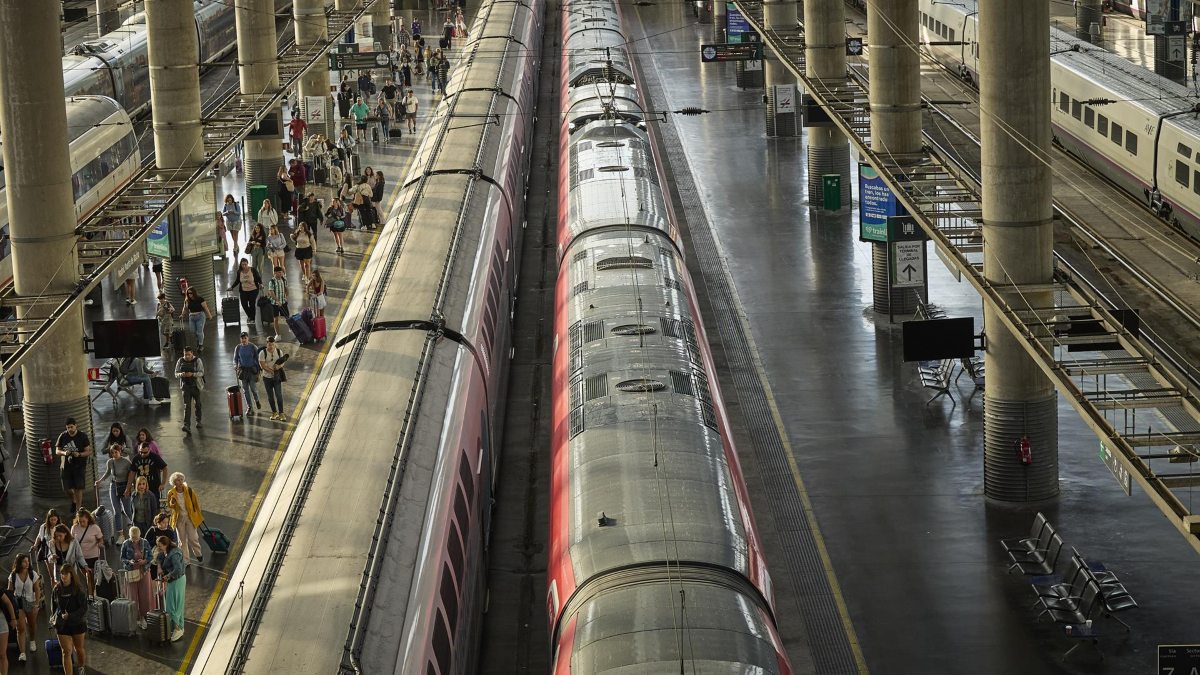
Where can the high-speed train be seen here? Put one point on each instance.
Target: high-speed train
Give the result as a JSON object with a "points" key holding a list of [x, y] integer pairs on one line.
{"points": [[654, 558], [104, 156], [369, 550], [1138, 129]]}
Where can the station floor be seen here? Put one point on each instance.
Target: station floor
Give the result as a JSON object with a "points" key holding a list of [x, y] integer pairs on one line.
{"points": [[228, 463], [913, 580]]}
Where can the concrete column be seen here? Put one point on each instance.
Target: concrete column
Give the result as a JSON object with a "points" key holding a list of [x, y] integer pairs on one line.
{"points": [[313, 29], [108, 16], [1087, 16], [895, 95], [780, 85], [174, 52], [1018, 241], [825, 59], [258, 72], [41, 214], [381, 24], [719, 15]]}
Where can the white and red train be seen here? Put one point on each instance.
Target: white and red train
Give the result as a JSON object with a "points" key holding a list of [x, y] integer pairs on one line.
{"points": [[654, 558]]}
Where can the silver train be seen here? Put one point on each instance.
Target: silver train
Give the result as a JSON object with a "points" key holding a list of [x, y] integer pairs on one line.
{"points": [[654, 557], [370, 548], [104, 156], [1132, 126]]}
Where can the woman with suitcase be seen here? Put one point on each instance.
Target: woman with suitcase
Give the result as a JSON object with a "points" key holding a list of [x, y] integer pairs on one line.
{"points": [[117, 469], [143, 504], [25, 585], [186, 517], [91, 542], [248, 283], [136, 554], [335, 220], [70, 618], [174, 582], [256, 246]]}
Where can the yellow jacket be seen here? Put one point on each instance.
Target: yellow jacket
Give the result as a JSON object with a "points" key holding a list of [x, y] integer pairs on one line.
{"points": [[179, 503]]}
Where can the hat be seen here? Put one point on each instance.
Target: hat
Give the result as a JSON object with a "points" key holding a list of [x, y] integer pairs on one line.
{"points": [[245, 334]]}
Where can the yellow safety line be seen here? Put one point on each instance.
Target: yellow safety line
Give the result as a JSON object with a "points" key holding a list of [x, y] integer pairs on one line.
{"points": [[269, 477]]}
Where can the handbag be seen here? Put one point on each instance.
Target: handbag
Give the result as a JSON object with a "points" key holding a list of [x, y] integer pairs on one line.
{"points": [[133, 576]]}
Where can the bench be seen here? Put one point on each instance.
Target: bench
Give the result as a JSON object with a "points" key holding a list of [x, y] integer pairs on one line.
{"points": [[935, 375], [110, 381], [972, 367]]}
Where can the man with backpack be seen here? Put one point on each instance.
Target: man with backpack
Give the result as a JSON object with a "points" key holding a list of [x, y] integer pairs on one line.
{"points": [[245, 367]]}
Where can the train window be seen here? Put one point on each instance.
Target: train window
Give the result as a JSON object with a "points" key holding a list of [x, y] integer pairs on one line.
{"points": [[937, 27], [1131, 142], [1183, 171], [1117, 134], [1102, 125], [1064, 102], [441, 644], [1077, 109], [457, 557], [449, 597], [1184, 150], [952, 35], [461, 512], [1089, 117], [465, 475], [1196, 182]]}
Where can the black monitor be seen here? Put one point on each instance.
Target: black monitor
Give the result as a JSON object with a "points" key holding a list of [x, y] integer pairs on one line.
{"points": [[127, 337], [939, 339]]}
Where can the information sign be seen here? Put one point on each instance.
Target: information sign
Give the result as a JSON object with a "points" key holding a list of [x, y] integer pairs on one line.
{"points": [[197, 233], [1116, 468], [785, 99], [359, 60], [876, 204], [314, 107], [1176, 48], [908, 264], [158, 242], [735, 24], [1178, 659], [854, 46], [728, 52], [1155, 25]]}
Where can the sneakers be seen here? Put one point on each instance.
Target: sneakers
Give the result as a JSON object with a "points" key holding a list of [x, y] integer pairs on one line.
{"points": [[154, 401], [177, 635], [199, 424], [142, 624], [32, 646], [186, 430], [133, 301], [282, 417], [275, 416], [22, 657], [258, 404]]}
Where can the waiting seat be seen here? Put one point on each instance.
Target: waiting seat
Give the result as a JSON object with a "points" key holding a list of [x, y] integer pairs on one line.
{"points": [[111, 382]]}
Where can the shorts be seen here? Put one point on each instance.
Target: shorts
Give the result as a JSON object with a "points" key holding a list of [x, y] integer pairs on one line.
{"points": [[73, 479], [3, 625], [319, 301], [411, 117], [91, 562], [282, 310], [72, 630], [304, 253], [361, 125]]}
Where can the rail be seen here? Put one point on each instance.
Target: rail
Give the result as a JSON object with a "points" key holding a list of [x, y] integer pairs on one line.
{"points": [[948, 207], [136, 209]]}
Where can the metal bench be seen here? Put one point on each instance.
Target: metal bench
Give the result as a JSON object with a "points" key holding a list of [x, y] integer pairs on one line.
{"points": [[111, 382], [935, 375]]}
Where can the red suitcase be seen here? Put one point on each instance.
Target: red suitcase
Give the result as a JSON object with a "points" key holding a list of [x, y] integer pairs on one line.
{"points": [[318, 328], [233, 397]]}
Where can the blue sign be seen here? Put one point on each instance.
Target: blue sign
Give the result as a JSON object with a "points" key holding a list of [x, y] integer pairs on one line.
{"points": [[736, 25], [876, 204], [158, 242]]}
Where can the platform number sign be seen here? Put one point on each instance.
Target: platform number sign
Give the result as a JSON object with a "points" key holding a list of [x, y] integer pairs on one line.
{"points": [[854, 46], [1179, 660]]}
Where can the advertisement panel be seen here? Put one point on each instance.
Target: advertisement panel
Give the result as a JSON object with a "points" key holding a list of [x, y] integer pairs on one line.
{"points": [[876, 204], [198, 214], [736, 25]]}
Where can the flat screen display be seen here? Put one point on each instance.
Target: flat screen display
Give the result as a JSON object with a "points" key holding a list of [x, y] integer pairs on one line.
{"points": [[128, 337]]}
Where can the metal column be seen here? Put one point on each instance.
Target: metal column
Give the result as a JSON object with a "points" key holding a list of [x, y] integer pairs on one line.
{"points": [[174, 52], [825, 60], [895, 95], [781, 95], [258, 73], [37, 175], [1018, 241], [108, 16]]}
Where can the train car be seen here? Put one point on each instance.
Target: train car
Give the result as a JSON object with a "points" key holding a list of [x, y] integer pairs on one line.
{"points": [[654, 557], [391, 469], [1134, 127], [104, 156]]}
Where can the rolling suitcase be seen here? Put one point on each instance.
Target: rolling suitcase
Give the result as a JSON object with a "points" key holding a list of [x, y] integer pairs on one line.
{"points": [[104, 518], [54, 654], [395, 132], [318, 328], [321, 175], [158, 624], [300, 329], [229, 312], [122, 612], [162, 388], [97, 615], [106, 582], [216, 539], [233, 398], [308, 172], [306, 315]]}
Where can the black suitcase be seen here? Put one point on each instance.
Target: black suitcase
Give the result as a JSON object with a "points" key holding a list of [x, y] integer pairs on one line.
{"points": [[161, 387], [322, 175], [179, 339], [229, 312], [444, 43], [395, 132]]}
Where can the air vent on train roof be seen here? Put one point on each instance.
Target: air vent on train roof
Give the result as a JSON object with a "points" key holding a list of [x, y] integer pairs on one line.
{"points": [[610, 144], [622, 262], [613, 168], [640, 385], [594, 20], [634, 329]]}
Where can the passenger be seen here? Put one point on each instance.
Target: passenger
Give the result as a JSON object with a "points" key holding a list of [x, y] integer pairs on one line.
{"points": [[143, 504], [133, 369], [136, 554], [277, 247], [284, 187], [156, 265], [271, 360], [448, 32], [304, 247], [116, 434], [390, 92], [256, 246], [144, 436], [198, 313], [186, 517], [377, 195], [248, 282], [310, 215], [221, 231], [131, 288], [160, 528], [25, 586], [360, 111], [346, 149], [299, 178], [405, 69], [190, 371], [232, 211], [74, 447], [90, 537], [65, 551], [435, 72], [346, 194], [317, 292], [165, 313], [245, 367], [70, 619], [443, 72], [41, 543], [296, 129], [364, 84], [117, 470], [410, 111], [335, 220], [174, 581], [277, 292], [362, 203], [384, 112]]}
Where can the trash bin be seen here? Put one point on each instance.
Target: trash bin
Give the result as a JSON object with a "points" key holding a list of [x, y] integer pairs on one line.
{"points": [[258, 194], [831, 188]]}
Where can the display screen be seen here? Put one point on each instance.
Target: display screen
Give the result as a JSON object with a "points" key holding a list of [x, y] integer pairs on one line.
{"points": [[128, 337]]}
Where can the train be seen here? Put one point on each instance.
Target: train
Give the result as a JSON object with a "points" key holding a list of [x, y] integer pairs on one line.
{"points": [[654, 557], [1136, 128], [379, 515], [104, 156]]}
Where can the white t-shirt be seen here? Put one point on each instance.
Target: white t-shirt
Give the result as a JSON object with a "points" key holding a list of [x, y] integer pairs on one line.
{"points": [[25, 589]]}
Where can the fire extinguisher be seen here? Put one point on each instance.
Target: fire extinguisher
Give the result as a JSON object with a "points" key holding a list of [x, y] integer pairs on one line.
{"points": [[1025, 451], [183, 286], [47, 451]]}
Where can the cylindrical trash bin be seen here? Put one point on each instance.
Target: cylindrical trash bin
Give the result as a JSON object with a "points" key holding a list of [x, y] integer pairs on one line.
{"points": [[831, 189], [258, 194]]}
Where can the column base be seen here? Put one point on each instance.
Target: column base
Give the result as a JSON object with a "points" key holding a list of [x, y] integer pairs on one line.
{"points": [[1005, 478], [199, 273], [828, 152], [47, 420], [888, 300], [1087, 12], [261, 161]]}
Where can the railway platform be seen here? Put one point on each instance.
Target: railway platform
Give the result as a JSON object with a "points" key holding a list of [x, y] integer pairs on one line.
{"points": [[229, 463], [882, 547]]}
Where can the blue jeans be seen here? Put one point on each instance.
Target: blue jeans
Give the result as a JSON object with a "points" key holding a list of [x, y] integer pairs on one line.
{"points": [[122, 507], [250, 388], [197, 321], [147, 392], [274, 393]]}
